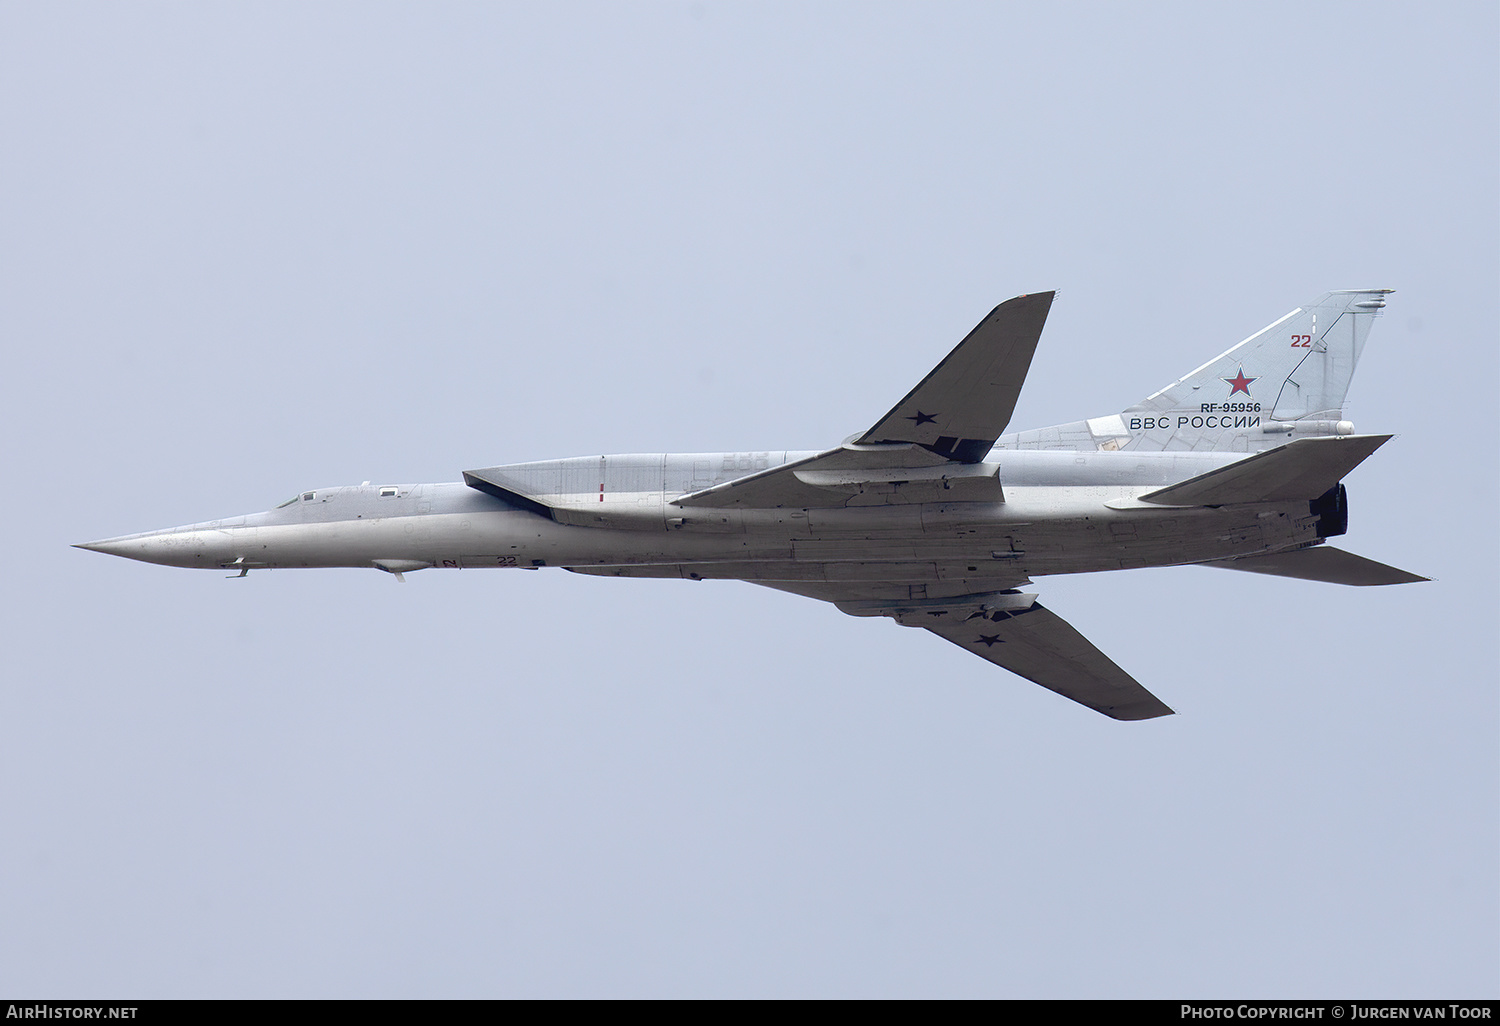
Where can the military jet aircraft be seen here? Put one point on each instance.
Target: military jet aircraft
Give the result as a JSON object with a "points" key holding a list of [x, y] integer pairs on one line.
{"points": [[933, 517]]}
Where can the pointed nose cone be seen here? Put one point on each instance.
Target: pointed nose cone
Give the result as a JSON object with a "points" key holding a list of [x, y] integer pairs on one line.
{"points": [[131, 546], [196, 545]]}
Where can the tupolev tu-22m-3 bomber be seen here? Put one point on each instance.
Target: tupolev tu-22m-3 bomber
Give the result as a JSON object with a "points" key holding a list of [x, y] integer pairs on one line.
{"points": [[933, 517]]}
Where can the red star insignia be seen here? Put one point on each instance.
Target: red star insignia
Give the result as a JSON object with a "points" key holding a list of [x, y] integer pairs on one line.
{"points": [[1239, 383]]}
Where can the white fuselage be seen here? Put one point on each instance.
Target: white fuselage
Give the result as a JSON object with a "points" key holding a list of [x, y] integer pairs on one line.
{"points": [[1062, 512]]}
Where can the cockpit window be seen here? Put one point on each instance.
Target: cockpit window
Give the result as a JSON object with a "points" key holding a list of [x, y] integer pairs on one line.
{"points": [[308, 496], [387, 492], [294, 498]]}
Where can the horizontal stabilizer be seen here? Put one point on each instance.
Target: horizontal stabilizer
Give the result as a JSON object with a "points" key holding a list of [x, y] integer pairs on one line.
{"points": [[1321, 563], [1303, 469]]}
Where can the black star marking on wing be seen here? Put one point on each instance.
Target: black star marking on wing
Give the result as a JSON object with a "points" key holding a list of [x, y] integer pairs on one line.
{"points": [[990, 640], [923, 418]]}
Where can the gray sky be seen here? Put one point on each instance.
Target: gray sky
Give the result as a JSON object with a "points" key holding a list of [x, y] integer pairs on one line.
{"points": [[249, 249]]}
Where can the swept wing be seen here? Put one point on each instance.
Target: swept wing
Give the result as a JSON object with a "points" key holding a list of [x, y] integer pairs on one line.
{"points": [[1000, 624], [960, 408], [1010, 629], [921, 450]]}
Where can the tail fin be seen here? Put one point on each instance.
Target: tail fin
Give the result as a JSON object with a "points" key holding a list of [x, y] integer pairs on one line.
{"points": [[1288, 380]]}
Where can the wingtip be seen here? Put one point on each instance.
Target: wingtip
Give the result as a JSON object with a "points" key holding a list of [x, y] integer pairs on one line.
{"points": [[1135, 713], [1049, 295]]}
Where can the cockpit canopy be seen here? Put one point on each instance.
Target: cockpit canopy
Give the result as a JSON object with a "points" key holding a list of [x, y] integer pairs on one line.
{"points": [[324, 494], [306, 497]]}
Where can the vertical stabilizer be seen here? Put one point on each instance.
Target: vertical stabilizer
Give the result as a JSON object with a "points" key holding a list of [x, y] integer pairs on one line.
{"points": [[1288, 380]]}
